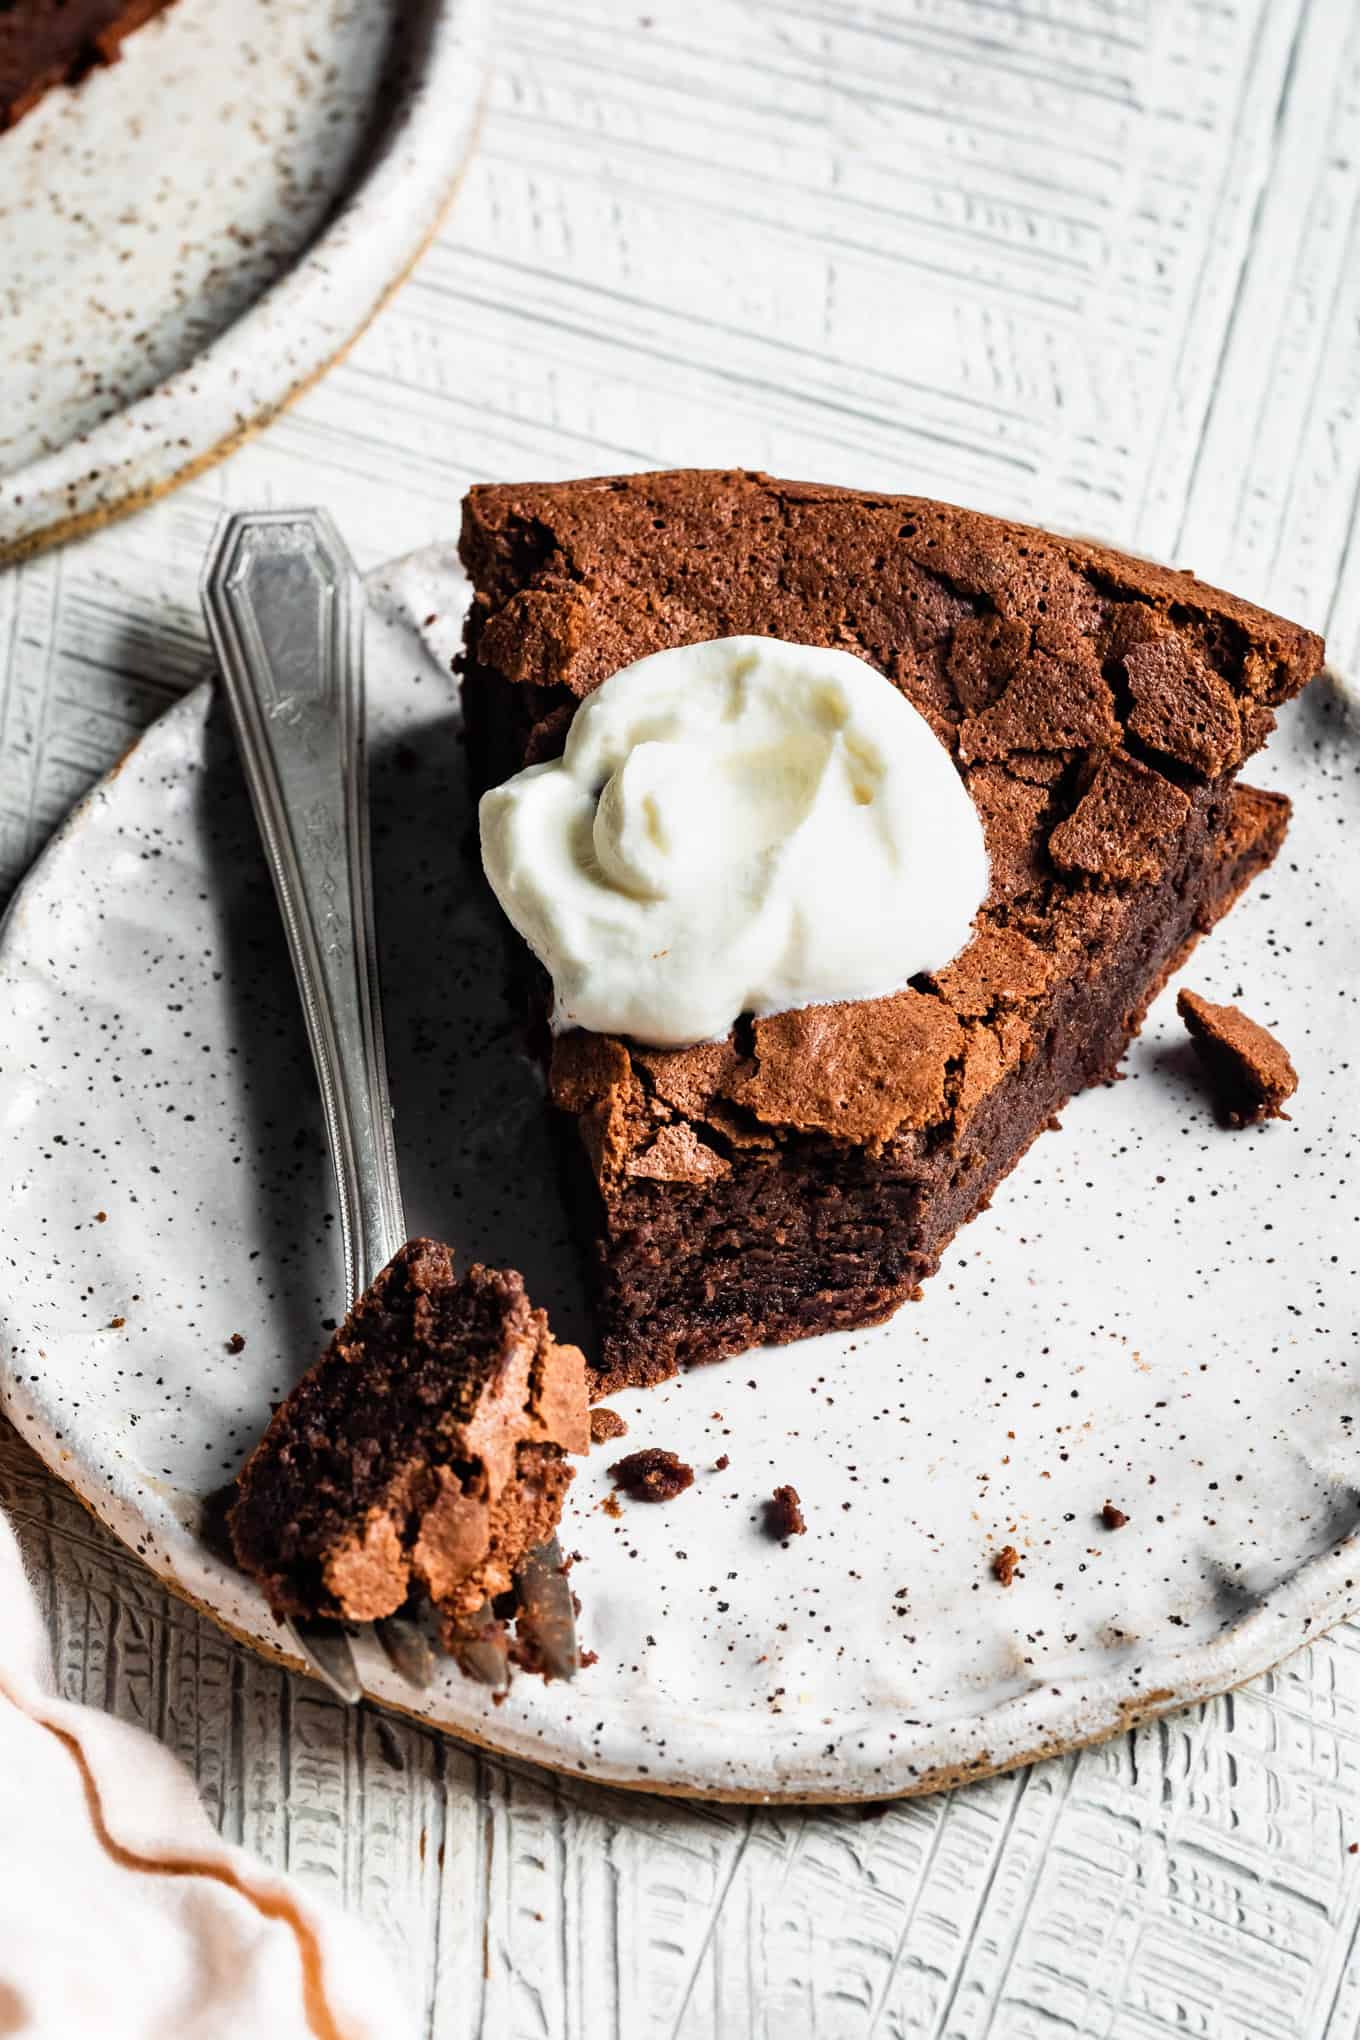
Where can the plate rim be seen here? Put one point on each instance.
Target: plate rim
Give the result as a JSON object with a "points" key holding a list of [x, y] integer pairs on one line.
{"points": [[325, 299], [1043, 1721]]}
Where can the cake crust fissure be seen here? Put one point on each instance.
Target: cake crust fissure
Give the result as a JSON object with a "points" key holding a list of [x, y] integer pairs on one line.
{"points": [[805, 1173]]}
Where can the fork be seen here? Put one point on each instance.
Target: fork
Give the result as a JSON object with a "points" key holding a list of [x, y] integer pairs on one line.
{"points": [[284, 606]]}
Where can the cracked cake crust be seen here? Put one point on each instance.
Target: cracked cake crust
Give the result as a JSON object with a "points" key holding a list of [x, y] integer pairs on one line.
{"points": [[805, 1173]]}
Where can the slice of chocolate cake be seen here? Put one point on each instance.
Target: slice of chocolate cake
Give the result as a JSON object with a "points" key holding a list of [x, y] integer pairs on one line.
{"points": [[423, 1454], [805, 1172], [55, 42]]}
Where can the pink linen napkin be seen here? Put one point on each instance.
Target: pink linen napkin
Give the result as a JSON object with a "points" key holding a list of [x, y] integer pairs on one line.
{"points": [[123, 1913]]}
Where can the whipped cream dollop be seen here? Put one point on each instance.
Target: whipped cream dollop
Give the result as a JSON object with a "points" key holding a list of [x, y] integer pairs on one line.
{"points": [[738, 826]]}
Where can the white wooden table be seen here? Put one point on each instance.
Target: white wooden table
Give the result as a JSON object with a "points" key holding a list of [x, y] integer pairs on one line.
{"points": [[1095, 262]]}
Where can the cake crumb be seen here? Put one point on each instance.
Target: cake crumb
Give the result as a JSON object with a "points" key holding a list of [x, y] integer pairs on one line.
{"points": [[652, 1475], [606, 1423], [101, 1218], [1113, 1518], [1248, 1069], [116, 1323], [610, 1505], [784, 1515], [1004, 1563], [236, 1344], [721, 1465]]}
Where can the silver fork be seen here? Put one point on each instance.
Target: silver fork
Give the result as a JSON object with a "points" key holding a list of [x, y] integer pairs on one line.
{"points": [[285, 611]]}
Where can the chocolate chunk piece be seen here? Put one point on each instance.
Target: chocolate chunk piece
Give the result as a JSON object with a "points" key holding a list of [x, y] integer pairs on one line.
{"points": [[652, 1475], [1249, 1071], [423, 1454], [784, 1515], [806, 1173]]}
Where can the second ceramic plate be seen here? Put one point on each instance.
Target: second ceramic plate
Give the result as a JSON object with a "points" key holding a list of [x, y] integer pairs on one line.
{"points": [[195, 233], [1154, 1312]]}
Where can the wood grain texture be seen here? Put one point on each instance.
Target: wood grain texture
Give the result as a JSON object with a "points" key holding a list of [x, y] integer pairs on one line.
{"points": [[1089, 261]]}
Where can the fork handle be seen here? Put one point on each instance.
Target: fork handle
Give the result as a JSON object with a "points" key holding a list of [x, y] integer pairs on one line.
{"points": [[285, 611]]}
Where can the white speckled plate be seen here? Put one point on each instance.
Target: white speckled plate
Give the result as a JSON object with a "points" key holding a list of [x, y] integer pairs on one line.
{"points": [[193, 234], [1155, 1312]]}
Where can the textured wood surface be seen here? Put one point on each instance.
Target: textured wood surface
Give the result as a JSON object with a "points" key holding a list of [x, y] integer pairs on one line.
{"points": [[1092, 261]]}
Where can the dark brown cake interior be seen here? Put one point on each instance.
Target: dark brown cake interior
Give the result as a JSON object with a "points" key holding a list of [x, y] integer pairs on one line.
{"points": [[805, 1173], [423, 1452]]}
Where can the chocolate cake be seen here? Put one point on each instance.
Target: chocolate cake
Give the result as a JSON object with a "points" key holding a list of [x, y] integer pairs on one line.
{"points": [[1249, 1069], [806, 1172], [55, 42], [423, 1454]]}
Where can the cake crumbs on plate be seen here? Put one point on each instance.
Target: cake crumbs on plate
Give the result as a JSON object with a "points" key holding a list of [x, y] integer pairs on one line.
{"points": [[606, 1423], [1112, 1517], [1248, 1069], [784, 1515], [652, 1475], [1005, 1563]]}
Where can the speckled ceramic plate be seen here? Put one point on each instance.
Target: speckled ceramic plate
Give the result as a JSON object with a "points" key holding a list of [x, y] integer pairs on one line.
{"points": [[192, 235], [1154, 1312]]}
